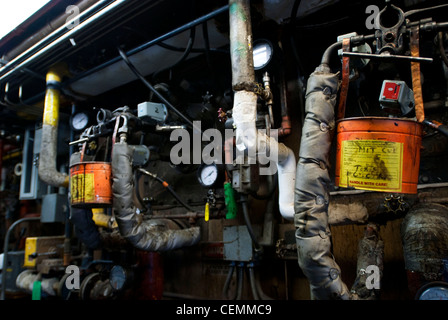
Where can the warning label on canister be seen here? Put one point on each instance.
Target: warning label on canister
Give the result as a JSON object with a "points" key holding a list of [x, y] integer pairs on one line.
{"points": [[371, 165], [82, 188]]}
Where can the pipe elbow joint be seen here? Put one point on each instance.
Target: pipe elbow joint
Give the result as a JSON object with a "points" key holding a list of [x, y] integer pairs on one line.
{"points": [[47, 160], [56, 73], [317, 264], [54, 178]]}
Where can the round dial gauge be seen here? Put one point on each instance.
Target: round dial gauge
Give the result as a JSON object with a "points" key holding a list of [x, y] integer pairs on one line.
{"points": [[117, 277], [262, 53], [437, 290], [80, 121], [208, 175]]}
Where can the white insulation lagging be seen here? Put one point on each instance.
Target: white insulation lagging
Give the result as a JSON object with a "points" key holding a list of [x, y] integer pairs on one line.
{"points": [[26, 279], [248, 139], [270, 151], [267, 149], [311, 189]]}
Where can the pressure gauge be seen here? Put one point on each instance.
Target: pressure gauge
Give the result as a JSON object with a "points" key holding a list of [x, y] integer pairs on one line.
{"points": [[209, 175], [118, 277], [262, 53], [436, 290], [79, 121]]}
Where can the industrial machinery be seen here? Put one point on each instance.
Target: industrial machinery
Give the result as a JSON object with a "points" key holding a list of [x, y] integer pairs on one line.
{"points": [[236, 150]]}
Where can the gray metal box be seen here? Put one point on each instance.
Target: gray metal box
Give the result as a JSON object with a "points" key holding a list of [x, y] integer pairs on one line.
{"points": [[151, 111], [31, 187], [237, 244], [54, 208]]}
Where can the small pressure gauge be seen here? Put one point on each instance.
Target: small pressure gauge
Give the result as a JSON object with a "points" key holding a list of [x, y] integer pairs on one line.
{"points": [[262, 52], [79, 121], [437, 290], [118, 277], [209, 175]]}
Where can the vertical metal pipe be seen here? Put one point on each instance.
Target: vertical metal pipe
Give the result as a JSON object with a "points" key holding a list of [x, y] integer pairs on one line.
{"points": [[241, 49], [47, 158], [244, 110], [416, 75], [311, 189]]}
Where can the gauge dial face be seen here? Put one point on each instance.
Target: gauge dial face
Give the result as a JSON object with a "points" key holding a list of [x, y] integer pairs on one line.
{"points": [[262, 54], [437, 292], [208, 175], [80, 121], [117, 277]]}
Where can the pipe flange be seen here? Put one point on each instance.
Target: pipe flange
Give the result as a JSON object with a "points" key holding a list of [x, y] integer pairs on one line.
{"points": [[334, 273], [324, 127]]}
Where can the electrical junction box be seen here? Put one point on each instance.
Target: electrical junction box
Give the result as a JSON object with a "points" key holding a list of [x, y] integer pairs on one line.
{"points": [[152, 112], [238, 243], [396, 97], [54, 208]]}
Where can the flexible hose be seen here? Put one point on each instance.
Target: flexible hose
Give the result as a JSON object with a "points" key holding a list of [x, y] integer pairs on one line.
{"points": [[252, 283], [150, 87], [260, 291], [244, 205], [169, 188], [329, 51], [185, 54], [240, 278], [225, 289]]}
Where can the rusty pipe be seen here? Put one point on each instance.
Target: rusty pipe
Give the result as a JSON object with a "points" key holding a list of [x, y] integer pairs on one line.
{"points": [[416, 75], [244, 110]]}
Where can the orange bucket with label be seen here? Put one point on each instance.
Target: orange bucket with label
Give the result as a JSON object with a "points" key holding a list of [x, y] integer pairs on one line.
{"points": [[378, 154], [91, 184]]}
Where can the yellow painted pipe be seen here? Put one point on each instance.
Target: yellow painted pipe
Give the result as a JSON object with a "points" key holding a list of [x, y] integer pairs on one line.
{"points": [[47, 158], [103, 220]]}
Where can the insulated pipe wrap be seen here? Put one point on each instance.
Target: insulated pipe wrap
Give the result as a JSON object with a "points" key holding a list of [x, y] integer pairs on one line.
{"points": [[151, 235], [424, 233], [47, 157], [244, 115], [319, 121], [311, 189]]}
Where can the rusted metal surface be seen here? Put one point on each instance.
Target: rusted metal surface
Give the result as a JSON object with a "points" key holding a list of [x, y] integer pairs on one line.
{"points": [[370, 253], [424, 233], [416, 76], [345, 79], [241, 45]]}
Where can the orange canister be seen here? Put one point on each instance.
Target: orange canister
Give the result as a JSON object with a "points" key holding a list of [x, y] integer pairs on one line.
{"points": [[91, 184], [378, 154]]}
